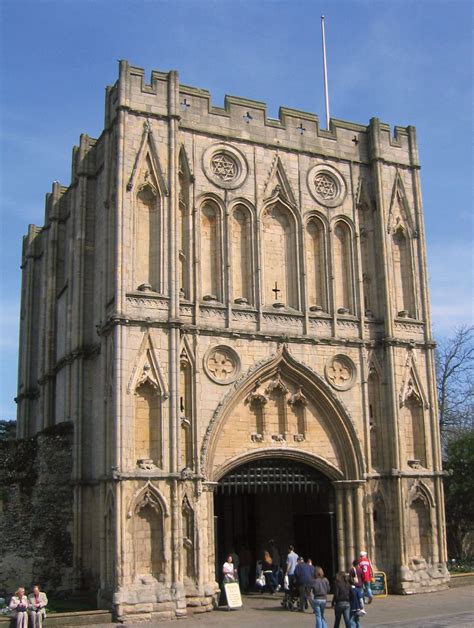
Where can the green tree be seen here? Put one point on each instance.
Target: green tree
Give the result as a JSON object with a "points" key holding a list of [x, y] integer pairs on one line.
{"points": [[459, 493], [7, 430]]}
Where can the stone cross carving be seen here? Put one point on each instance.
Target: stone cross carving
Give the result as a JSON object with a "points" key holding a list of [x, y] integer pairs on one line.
{"points": [[339, 373], [276, 290], [220, 365]]}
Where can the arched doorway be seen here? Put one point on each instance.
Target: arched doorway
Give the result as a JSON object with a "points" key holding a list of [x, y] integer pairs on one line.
{"points": [[276, 498]]}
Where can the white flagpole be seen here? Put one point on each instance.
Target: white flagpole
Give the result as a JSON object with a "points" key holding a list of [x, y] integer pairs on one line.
{"points": [[325, 69]]}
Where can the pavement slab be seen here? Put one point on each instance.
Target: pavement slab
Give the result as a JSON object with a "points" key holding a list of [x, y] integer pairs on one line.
{"points": [[453, 608]]}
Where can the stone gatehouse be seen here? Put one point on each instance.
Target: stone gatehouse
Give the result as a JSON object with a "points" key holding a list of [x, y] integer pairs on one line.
{"points": [[233, 312]]}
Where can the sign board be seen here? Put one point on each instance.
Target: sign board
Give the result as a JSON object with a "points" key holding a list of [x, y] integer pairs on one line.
{"points": [[232, 593], [379, 585]]}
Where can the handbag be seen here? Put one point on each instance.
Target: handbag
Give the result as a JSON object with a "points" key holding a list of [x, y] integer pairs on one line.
{"points": [[260, 581]]}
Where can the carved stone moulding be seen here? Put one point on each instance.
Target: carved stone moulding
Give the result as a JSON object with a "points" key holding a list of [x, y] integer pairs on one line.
{"points": [[327, 185], [147, 302], [340, 372], [222, 364], [224, 165]]}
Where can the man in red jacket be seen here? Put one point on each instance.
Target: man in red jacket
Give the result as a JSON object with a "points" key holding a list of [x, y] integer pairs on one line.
{"points": [[367, 575]]}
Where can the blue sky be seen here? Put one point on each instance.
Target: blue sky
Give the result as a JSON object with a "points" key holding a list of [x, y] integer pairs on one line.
{"points": [[407, 62]]}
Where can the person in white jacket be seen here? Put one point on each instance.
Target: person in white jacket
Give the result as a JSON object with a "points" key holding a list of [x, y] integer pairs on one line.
{"points": [[19, 607], [37, 602]]}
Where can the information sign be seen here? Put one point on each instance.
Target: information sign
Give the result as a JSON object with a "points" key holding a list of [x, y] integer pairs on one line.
{"points": [[379, 586], [232, 593]]}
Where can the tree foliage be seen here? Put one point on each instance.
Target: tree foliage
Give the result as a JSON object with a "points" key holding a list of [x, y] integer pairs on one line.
{"points": [[454, 379], [7, 430], [459, 492]]}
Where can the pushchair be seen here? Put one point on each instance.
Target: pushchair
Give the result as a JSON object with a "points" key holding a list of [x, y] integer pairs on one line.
{"points": [[291, 598]]}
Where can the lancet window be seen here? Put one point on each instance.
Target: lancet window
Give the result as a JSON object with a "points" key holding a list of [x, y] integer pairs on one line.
{"points": [[342, 268], [368, 258], [211, 252], [279, 252], [186, 412], [403, 274], [148, 424], [189, 567], [241, 255], [148, 229], [316, 265], [414, 430], [420, 529], [373, 392], [185, 229]]}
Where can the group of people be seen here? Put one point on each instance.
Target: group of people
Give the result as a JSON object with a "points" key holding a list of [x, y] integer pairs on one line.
{"points": [[307, 583], [350, 589], [31, 607]]}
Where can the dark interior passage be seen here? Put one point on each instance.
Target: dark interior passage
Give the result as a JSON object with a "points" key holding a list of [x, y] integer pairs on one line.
{"points": [[277, 499]]}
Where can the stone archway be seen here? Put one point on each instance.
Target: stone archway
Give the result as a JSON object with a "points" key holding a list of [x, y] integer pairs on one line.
{"points": [[276, 497], [283, 410]]}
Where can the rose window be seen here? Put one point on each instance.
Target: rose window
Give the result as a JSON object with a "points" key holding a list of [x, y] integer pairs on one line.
{"points": [[325, 186], [224, 167]]}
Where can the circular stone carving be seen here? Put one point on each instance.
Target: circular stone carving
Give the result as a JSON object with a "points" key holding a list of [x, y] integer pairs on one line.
{"points": [[327, 185], [224, 165], [340, 372], [222, 364]]}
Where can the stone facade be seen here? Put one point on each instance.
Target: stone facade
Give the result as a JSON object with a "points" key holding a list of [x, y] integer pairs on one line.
{"points": [[217, 288]]}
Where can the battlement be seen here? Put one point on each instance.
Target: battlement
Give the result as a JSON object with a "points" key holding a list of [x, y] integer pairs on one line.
{"points": [[247, 120]]}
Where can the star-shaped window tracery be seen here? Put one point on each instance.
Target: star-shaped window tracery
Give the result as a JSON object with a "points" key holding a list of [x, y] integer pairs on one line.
{"points": [[325, 186], [224, 167]]}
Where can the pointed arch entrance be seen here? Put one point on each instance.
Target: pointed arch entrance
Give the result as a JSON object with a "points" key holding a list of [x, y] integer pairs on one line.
{"points": [[282, 410], [280, 498]]}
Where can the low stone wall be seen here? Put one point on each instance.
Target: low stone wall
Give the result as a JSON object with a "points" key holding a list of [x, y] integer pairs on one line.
{"points": [[36, 511], [420, 577], [461, 580]]}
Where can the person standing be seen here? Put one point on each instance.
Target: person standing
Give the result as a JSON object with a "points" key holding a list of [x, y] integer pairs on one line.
{"points": [[304, 575], [367, 575], [19, 607], [228, 570], [291, 562], [321, 588], [268, 572], [37, 602], [341, 601]]}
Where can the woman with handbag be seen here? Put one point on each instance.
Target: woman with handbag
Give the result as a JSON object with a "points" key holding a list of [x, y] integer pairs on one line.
{"points": [[19, 607]]}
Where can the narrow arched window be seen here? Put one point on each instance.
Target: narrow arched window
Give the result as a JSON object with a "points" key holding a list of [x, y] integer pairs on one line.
{"points": [[184, 230], [316, 265], [241, 255], [186, 413], [342, 269], [148, 424], [211, 257], [414, 430], [147, 239], [403, 275], [420, 530], [376, 443], [280, 262]]}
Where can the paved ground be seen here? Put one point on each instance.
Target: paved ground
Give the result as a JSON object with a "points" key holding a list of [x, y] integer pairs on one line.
{"points": [[453, 608]]}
